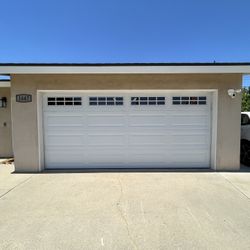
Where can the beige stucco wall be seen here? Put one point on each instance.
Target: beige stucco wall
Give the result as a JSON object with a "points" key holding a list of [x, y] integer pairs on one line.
{"points": [[5, 125], [24, 116]]}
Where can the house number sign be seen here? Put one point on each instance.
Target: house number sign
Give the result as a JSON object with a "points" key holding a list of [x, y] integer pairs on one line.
{"points": [[24, 98]]}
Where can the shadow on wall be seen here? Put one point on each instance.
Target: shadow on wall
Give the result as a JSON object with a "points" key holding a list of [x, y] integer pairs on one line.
{"points": [[243, 169]]}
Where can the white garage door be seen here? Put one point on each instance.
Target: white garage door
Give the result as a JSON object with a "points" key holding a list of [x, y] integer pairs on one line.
{"points": [[127, 129]]}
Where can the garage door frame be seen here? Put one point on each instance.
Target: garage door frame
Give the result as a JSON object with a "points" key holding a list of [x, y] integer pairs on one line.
{"points": [[214, 111]]}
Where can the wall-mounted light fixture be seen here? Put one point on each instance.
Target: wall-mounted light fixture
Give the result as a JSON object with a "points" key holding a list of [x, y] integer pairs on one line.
{"points": [[232, 92], [3, 102]]}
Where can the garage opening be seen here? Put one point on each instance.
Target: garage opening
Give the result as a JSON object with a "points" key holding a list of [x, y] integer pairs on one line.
{"points": [[127, 129]]}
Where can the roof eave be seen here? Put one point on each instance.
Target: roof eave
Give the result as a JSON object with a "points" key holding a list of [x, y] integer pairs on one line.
{"points": [[235, 68], [4, 83]]}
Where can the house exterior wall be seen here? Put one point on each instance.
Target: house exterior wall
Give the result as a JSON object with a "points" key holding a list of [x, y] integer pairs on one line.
{"points": [[24, 115], [5, 125]]}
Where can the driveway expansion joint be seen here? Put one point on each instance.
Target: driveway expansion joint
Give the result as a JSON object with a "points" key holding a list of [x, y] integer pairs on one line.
{"points": [[235, 187], [19, 184], [122, 214]]}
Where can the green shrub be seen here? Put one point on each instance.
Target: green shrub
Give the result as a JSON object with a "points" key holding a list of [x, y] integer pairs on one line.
{"points": [[245, 105]]}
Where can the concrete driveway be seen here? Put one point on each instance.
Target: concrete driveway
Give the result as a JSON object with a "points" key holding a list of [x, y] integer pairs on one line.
{"points": [[160, 210]]}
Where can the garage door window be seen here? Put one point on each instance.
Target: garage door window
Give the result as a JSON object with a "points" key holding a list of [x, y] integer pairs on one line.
{"points": [[106, 101], [148, 100], [64, 101], [189, 100]]}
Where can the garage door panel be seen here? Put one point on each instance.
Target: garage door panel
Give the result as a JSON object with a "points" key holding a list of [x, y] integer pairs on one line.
{"points": [[188, 165], [147, 140], [65, 156], [99, 154], [105, 165], [147, 120], [189, 159], [126, 135], [107, 109], [195, 148], [63, 164], [190, 139], [148, 149], [149, 162], [65, 140], [192, 109], [67, 159], [65, 131], [102, 120], [101, 139], [64, 120], [193, 130], [65, 149], [105, 157], [189, 120], [104, 130], [189, 127]]}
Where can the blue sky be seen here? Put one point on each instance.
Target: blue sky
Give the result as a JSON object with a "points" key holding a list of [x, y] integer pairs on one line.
{"points": [[125, 31], [246, 81]]}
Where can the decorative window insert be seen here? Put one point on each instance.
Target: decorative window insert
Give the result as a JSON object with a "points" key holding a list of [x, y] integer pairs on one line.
{"points": [[105, 101], [189, 100], [149, 100], [64, 101]]}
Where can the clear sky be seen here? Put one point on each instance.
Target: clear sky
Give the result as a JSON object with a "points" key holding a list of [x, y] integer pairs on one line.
{"points": [[124, 31], [246, 81]]}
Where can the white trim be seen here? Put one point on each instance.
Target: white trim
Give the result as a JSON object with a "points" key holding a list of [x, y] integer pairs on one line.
{"points": [[12, 124], [123, 90], [214, 118], [189, 69], [4, 84], [40, 131], [214, 125]]}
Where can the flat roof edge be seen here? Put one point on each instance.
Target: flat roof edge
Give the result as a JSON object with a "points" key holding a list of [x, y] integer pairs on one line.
{"points": [[128, 64], [241, 68], [4, 83]]}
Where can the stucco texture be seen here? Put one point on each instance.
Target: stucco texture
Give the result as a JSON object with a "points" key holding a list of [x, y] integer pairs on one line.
{"points": [[24, 115], [5, 125]]}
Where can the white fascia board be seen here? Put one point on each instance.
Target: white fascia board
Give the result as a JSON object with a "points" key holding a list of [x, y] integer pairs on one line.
{"points": [[241, 69], [4, 84]]}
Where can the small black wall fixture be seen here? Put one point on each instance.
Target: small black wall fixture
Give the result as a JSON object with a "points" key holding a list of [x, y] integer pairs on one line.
{"points": [[3, 102]]}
